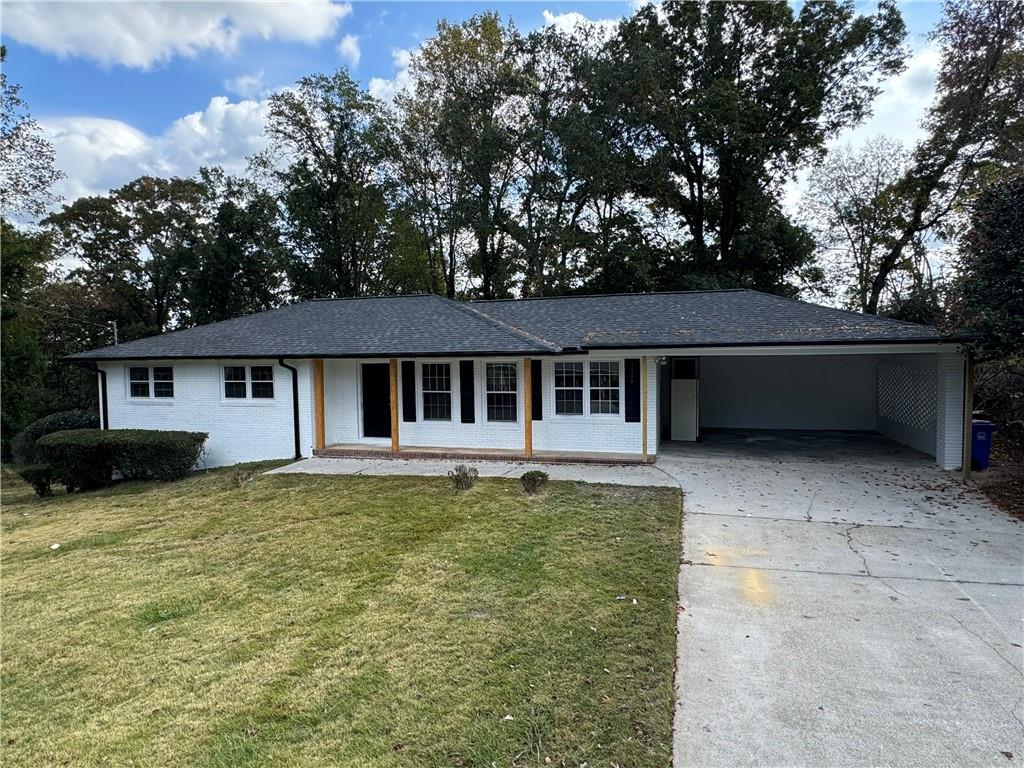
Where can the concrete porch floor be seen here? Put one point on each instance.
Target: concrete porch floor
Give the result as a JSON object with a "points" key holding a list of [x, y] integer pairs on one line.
{"points": [[371, 451]]}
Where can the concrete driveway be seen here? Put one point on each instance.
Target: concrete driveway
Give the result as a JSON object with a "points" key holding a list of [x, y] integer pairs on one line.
{"points": [[843, 602]]}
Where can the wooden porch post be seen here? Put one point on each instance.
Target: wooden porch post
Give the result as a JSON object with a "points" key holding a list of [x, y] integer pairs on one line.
{"points": [[393, 370], [318, 403], [527, 407], [643, 404]]}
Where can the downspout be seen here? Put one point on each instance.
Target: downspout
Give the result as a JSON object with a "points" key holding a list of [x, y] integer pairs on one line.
{"points": [[104, 413], [295, 405]]}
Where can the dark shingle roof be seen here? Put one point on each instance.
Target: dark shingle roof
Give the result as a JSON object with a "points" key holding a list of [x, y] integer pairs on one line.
{"points": [[697, 318], [420, 325], [427, 325]]}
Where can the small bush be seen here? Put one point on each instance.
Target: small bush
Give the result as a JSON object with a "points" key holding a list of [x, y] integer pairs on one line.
{"points": [[84, 459], [24, 444], [463, 477], [39, 476], [533, 480], [241, 477]]}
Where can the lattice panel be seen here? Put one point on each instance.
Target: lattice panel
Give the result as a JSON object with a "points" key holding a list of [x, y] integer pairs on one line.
{"points": [[906, 395]]}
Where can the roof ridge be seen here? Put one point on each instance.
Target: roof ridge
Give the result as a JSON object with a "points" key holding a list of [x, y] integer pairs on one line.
{"points": [[522, 335], [358, 298], [605, 295]]}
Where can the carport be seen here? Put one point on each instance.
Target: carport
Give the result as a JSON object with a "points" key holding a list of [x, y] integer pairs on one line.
{"points": [[911, 393]]}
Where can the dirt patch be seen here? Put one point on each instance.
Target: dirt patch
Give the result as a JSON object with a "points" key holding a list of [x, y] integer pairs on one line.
{"points": [[1003, 481]]}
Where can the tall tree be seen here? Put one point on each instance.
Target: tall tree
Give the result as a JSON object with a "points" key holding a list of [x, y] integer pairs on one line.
{"points": [[239, 262], [992, 268], [27, 160], [329, 163], [719, 103], [137, 249], [463, 78], [434, 191], [851, 210], [22, 269], [974, 128]]}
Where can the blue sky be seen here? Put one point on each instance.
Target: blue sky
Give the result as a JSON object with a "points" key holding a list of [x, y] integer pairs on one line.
{"points": [[150, 87]]}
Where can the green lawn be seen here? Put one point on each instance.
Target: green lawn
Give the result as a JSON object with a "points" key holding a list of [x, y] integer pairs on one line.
{"points": [[313, 621]]}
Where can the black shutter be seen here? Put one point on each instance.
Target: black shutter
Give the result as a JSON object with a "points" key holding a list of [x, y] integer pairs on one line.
{"points": [[408, 390], [632, 389], [536, 390], [466, 396]]}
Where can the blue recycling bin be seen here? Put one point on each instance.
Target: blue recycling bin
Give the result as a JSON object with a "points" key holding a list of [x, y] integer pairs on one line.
{"points": [[981, 443]]}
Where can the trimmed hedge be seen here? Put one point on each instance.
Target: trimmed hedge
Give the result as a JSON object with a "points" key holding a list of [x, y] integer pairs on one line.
{"points": [[23, 446], [83, 459]]}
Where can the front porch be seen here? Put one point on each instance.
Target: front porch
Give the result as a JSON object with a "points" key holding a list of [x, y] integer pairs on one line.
{"points": [[364, 451]]}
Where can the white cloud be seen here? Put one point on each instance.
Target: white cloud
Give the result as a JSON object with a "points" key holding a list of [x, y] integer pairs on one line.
{"points": [[141, 34], [573, 20], [251, 86], [349, 49], [98, 154], [386, 89]]}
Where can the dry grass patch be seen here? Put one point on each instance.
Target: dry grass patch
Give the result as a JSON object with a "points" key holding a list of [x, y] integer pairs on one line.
{"points": [[314, 621]]}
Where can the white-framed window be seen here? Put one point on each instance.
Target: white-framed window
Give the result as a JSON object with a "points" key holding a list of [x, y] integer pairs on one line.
{"points": [[437, 391], [147, 382], [254, 382], [569, 389], [261, 382], [604, 387], [501, 386]]}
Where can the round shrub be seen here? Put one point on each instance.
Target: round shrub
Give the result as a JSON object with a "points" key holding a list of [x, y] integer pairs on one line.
{"points": [[39, 476], [533, 480], [83, 459], [24, 444]]}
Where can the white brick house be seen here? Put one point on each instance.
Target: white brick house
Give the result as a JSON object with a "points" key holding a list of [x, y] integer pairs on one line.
{"points": [[574, 378]]}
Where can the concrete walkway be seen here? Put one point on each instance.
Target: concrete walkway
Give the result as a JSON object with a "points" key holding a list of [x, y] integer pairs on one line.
{"points": [[630, 474], [844, 607]]}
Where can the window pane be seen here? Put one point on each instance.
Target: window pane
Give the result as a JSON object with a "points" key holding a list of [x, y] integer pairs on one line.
{"points": [[501, 377], [569, 402], [501, 391], [604, 387], [234, 389], [437, 377], [604, 375], [234, 373], [569, 375], [604, 401], [140, 388], [501, 406], [163, 381], [138, 374], [569, 389], [437, 406], [262, 378], [437, 398]]}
